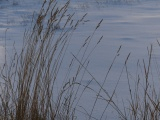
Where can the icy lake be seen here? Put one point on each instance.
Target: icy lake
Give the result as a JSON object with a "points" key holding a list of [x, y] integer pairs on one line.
{"points": [[134, 26]]}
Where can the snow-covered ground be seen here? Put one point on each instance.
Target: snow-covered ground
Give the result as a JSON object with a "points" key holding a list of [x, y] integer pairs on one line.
{"points": [[134, 25]]}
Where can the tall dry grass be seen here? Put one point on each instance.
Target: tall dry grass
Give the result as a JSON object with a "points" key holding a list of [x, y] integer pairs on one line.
{"points": [[29, 79], [144, 101]]}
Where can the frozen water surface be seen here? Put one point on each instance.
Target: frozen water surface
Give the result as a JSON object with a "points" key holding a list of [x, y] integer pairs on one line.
{"points": [[134, 25]]}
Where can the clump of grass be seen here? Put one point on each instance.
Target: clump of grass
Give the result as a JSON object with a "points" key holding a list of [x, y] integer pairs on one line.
{"points": [[144, 100], [143, 91], [29, 78]]}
